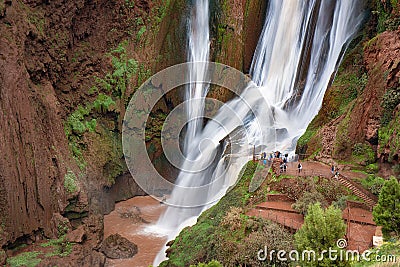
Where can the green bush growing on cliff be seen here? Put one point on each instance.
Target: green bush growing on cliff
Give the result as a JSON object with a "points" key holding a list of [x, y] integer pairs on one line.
{"points": [[387, 20], [103, 103], [373, 183], [389, 102], [387, 212], [70, 182], [389, 137], [78, 122], [363, 154], [124, 68]]}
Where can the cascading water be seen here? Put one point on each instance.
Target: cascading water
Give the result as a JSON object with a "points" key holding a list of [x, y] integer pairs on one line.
{"points": [[199, 48], [296, 58]]}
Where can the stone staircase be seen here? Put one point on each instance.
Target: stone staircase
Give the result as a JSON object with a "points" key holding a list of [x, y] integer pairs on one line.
{"points": [[369, 198]]}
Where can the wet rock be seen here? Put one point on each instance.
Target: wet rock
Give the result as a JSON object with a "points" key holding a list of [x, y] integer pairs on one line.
{"points": [[118, 247], [133, 214], [77, 236]]}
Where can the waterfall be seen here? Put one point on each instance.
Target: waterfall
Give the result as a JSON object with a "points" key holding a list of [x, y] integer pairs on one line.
{"points": [[198, 51], [300, 48]]}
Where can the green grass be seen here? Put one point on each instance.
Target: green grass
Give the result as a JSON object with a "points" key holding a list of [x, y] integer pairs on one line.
{"points": [[27, 259], [60, 247]]}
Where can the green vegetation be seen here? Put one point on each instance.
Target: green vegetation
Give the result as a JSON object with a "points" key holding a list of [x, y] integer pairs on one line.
{"points": [[354, 84], [373, 183], [78, 123], [306, 137], [363, 154], [387, 212], [342, 142], [372, 168], [27, 259], [210, 264], [130, 3], [124, 68], [389, 102], [161, 11], [61, 247], [70, 182], [331, 190], [320, 231], [307, 199], [141, 31], [389, 136], [387, 20]]}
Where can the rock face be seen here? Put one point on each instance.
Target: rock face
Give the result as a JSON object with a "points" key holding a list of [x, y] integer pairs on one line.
{"points": [[361, 121], [49, 54], [32, 142], [118, 247]]}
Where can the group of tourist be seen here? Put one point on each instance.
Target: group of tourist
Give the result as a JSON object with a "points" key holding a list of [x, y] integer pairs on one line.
{"points": [[284, 160]]}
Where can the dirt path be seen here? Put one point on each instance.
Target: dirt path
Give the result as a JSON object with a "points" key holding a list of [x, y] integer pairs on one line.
{"points": [[130, 219]]}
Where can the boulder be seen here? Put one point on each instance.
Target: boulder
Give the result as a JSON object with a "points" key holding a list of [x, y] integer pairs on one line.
{"points": [[118, 247]]}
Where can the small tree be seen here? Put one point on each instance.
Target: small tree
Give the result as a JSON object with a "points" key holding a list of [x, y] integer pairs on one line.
{"points": [[387, 212], [321, 230]]}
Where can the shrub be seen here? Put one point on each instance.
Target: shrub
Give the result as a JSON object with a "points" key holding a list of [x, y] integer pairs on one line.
{"points": [[61, 247], [233, 219], [372, 168], [390, 101], [307, 199], [373, 183], [363, 154], [340, 203], [269, 235], [320, 231], [331, 189], [387, 212]]}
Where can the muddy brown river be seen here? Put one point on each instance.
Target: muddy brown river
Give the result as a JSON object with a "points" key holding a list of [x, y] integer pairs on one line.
{"points": [[131, 219]]}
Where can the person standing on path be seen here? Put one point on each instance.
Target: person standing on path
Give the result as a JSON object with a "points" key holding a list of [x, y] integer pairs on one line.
{"points": [[300, 167]]}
